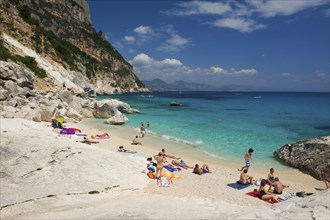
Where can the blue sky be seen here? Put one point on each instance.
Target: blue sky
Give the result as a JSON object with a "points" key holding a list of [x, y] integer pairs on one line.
{"points": [[278, 45]]}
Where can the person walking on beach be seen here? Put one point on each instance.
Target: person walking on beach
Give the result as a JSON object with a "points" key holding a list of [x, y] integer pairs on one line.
{"points": [[160, 160], [248, 158], [142, 130]]}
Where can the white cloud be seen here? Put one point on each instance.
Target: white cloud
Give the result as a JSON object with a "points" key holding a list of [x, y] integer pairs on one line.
{"points": [[200, 7], [142, 59], [148, 68], [143, 30], [216, 69], [171, 62], [177, 40], [285, 74], [129, 39], [242, 15], [239, 24], [247, 71], [284, 8], [174, 43]]}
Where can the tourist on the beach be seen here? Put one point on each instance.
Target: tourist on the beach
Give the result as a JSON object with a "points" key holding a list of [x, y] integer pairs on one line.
{"points": [[201, 170], [271, 176], [278, 186], [57, 120], [247, 158], [135, 141], [326, 179], [264, 195], [122, 149], [160, 160], [183, 165], [169, 155], [142, 130], [87, 141], [104, 135], [245, 178]]}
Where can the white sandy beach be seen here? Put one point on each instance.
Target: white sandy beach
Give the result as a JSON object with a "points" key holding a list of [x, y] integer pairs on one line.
{"points": [[49, 176]]}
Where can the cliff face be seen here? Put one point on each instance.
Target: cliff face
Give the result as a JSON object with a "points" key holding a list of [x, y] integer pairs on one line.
{"points": [[61, 32]]}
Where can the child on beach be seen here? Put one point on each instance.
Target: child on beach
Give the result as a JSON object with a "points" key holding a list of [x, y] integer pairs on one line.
{"points": [[248, 158]]}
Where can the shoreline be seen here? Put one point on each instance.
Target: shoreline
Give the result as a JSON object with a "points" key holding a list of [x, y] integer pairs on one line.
{"points": [[223, 171], [55, 176]]}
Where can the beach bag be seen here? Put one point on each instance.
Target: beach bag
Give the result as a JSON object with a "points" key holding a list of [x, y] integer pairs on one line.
{"points": [[164, 181], [151, 175]]}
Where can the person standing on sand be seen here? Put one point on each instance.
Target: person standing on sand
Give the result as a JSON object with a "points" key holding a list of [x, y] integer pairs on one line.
{"points": [[160, 160], [248, 158], [142, 130]]}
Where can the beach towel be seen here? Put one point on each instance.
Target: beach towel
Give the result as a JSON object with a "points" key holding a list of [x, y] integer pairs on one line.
{"points": [[171, 168], [237, 185], [164, 182], [256, 194]]}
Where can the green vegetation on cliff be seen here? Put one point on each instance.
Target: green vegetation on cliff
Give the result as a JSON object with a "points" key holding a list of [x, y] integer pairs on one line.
{"points": [[29, 62]]}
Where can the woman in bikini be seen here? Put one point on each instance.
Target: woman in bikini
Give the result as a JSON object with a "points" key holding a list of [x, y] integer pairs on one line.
{"points": [[264, 195]]}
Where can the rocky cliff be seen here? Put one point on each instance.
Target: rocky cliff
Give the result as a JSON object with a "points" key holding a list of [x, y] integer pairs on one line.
{"points": [[61, 32], [309, 156], [52, 60]]}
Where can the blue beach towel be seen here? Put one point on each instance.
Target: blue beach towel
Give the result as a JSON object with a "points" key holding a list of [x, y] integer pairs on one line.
{"points": [[238, 185], [172, 168]]}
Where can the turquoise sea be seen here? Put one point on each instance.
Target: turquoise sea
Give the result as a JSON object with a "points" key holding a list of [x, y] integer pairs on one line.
{"points": [[227, 124]]}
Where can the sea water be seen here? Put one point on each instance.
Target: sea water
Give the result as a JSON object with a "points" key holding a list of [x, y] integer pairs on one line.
{"points": [[227, 124]]}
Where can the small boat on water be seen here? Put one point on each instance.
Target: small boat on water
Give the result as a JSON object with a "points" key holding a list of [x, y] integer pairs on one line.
{"points": [[257, 97], [175, 104]]}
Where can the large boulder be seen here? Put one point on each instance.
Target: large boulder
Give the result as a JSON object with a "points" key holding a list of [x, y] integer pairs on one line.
{"points": [[121, 106], [103, 110], [309, 156], [117, 119], [14, 72]]}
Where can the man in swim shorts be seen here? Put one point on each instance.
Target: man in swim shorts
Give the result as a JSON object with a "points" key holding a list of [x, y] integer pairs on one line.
{"points": [[160, 160], [247, 158]]}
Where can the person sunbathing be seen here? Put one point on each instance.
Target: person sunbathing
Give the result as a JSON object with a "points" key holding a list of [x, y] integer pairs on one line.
{"points": [[203, 169], [87, 141], [104, 135], [245, 178], [264, 195], [135, 141], [183, 165], [169, 155], [122, 149]]}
